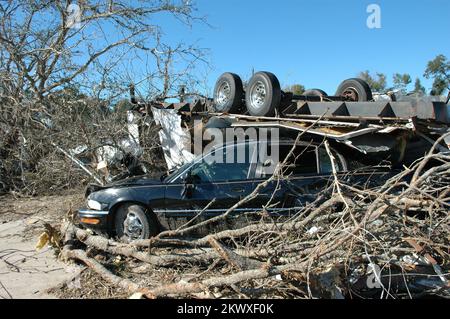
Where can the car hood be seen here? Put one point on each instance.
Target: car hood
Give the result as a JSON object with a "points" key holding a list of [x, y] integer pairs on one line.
{"points": [[128, 182], [135, 181]]}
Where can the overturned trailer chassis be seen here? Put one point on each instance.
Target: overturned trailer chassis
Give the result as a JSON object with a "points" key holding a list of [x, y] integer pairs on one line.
{"points": [[372, 132], [398, 143]]}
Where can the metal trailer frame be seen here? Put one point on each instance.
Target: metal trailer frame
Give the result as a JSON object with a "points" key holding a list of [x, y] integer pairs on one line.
{"points": [[356, 125]]}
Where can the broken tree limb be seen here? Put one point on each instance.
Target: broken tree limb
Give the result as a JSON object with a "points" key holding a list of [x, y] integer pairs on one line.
{"points": [[123, 283], [109, 246], [195, 287], [78, 163], [235, 260], [290, 226]]}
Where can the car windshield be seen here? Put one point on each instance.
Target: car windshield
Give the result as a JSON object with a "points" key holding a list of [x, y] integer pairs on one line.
{"points": [[171, 177]]}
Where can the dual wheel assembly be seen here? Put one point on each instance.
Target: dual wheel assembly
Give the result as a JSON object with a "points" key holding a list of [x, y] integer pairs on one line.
{"points": [[263, 94]]}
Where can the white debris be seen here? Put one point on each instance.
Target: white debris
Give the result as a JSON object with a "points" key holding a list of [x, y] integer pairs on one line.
{"points": [[313, 230], [175, 141]]}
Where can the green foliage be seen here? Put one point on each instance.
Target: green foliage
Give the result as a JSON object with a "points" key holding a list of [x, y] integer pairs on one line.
{"points": [[439, 86], [438, 69], [418, 87], [377, 83], [401, 81], [297, 89]]}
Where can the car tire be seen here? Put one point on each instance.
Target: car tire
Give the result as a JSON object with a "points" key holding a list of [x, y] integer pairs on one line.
{"points": [[228, 94], [315, 92], [356, 90], [133, 222], [263, 94]]}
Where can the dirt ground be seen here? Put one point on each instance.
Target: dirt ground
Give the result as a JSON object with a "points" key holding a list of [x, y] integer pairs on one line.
{"points": [[25, 272]]}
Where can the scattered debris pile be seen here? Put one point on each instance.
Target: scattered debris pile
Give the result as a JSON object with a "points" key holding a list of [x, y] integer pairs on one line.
{"points": [[350, 242], [50, 154]]}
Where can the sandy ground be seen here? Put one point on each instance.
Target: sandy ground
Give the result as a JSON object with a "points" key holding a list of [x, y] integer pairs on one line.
{"points": [[25, 272]]}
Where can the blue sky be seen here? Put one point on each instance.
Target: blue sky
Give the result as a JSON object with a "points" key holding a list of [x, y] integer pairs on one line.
{"points": [[318, 43]]}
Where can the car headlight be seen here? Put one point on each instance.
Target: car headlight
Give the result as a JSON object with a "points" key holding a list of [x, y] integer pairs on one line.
{"points": [[92, 204]]}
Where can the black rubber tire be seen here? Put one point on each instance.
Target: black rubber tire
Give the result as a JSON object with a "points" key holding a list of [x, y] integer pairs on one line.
{"points": [[235, 101], [150, 228], [359, 86], [315, 92], [273, 94]]}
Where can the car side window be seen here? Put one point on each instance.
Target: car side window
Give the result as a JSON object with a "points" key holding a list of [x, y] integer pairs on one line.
{"points": [[303, 161], [325, 162], [231, 167]]}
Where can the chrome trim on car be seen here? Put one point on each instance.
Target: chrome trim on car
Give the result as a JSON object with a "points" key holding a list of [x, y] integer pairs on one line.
{"points": [[92, 213], [223, 210]]}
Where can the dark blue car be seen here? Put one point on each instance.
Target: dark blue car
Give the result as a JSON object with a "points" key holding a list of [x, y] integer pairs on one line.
{"points": [[139, 208]]}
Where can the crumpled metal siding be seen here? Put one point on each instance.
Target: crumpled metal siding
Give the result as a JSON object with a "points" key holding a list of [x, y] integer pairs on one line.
{"points": [[175, 141]]}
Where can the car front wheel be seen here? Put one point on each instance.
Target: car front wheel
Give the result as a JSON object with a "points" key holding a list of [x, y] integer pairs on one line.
{"points": [[132, 222]]}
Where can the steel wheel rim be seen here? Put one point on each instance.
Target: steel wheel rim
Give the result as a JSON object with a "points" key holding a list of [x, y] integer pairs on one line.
{"points": [[258, 94], [223, 94], [133, 226]]}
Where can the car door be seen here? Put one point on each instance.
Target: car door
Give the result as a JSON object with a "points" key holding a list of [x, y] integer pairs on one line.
{"points": [[238, 174], [307, 185], [220, 182], [292, 187]]}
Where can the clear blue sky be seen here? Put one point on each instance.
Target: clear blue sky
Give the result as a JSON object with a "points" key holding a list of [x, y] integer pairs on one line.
{"points": [[319, 43]]}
